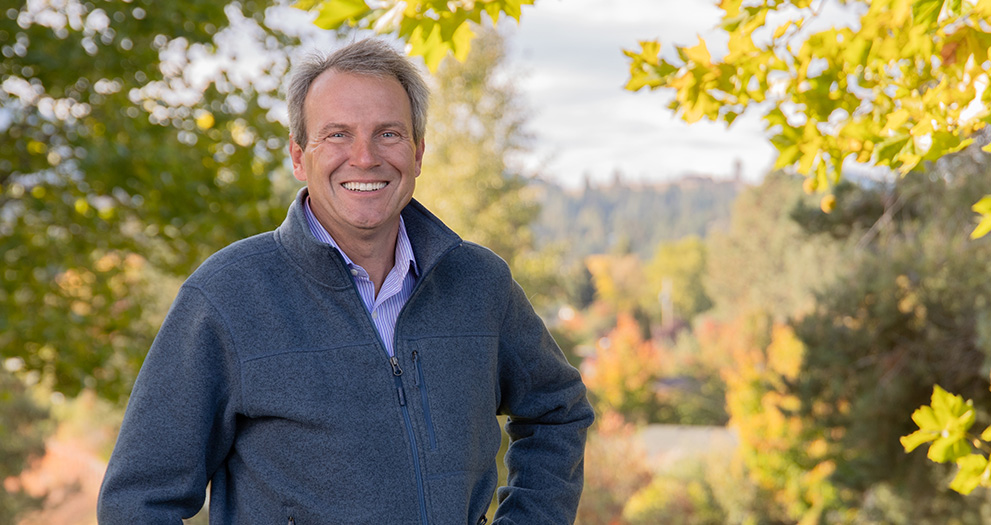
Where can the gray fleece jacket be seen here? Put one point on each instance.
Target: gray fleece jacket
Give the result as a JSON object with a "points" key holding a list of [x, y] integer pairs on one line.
{"points": [[269, 381]]}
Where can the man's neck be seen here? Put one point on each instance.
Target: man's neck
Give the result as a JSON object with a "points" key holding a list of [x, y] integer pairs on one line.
{"points": [[376, 254]]}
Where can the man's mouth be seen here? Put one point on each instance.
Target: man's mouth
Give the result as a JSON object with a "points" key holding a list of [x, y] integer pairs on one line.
{"points": [[364, 186]]}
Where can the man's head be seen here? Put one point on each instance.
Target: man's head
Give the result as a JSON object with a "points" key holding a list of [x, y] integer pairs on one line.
{"points": [[366, 57], [356, 119]]}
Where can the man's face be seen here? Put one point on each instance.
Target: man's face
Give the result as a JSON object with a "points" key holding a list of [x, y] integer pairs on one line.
{"points": [[360, 161]]}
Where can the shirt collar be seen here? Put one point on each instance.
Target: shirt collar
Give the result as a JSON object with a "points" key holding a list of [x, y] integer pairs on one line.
{"points": [[404, 249]]}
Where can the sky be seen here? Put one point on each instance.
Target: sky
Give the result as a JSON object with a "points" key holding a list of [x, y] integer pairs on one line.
{"points": [[587, 125]]}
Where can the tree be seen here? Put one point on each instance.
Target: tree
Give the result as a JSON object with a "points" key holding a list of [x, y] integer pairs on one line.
{"points": [[120, 153], [909, 314], [765, 262], [902, 84], [476, 126]]}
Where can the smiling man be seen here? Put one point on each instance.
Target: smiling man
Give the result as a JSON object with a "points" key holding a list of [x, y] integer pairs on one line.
{"points": [[348, 367]]}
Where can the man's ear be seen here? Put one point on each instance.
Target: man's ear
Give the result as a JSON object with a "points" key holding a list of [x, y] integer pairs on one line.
{"points": [[296, 154], [419, 155]]}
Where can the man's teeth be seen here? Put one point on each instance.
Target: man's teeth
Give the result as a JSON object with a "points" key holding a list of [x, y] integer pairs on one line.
{"points": [[364, 186]]}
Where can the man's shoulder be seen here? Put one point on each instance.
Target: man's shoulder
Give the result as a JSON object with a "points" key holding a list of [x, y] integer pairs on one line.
{"points": [[242, 259], [479, 262]]}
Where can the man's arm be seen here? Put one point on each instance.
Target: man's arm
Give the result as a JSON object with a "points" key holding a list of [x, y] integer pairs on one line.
{"points": [[179, 423], [548, 416]]}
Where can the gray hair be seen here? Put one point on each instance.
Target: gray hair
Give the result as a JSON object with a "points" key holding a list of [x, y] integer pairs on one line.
{"points": [[365, 57]]}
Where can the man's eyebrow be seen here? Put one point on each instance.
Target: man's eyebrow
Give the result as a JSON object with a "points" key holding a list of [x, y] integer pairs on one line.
{"points": [[328, 127]]}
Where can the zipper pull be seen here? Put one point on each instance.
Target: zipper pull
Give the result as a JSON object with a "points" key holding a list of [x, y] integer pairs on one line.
{"points": [[396, 371], [416, 371]]}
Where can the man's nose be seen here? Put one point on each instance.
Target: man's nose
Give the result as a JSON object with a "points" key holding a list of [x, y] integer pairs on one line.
{"points": [[363, 153]]}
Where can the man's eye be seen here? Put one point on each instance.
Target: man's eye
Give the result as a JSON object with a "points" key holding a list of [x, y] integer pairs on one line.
{"points": [[390, 135]]}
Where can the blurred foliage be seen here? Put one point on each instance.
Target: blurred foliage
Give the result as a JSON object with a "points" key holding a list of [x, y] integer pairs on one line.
{"points": [[675, 274], [621, 375], [433, 28], [903, 82], [820, 391], [783, 454], [133, 136], [766, 261], [476, 127], [913, 314], [619, 282], [647, 381], [23, 428], [678, 498]]}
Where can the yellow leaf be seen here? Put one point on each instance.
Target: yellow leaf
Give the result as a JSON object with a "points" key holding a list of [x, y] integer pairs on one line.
{"points": [[983, 206], [982, 228], [699, 54], [461, 41], [896, 119], [780, 31], [332, 14]]}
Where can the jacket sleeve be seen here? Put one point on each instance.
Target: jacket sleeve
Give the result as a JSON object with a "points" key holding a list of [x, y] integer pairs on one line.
{"points": [[179, 422], [549, 414]]}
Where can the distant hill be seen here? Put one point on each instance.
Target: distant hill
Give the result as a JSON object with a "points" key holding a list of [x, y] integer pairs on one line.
{"points": [[632, 217]]}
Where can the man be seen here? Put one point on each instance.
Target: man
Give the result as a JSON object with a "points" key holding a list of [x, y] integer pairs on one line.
{"points": [[349, 366]]}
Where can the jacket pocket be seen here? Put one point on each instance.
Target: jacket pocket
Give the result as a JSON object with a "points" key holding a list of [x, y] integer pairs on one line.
{"points": [[419, 381]]}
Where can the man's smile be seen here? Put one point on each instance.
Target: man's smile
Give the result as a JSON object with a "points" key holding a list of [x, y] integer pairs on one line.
{"points": [[364, 186]]}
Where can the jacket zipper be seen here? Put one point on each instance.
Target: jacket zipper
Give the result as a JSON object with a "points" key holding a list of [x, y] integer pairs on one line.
{"points": [[397, 372], [421, 384]]}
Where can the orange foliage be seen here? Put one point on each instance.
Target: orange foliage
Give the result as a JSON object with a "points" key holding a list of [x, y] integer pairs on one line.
{"points": [[622, 372]]}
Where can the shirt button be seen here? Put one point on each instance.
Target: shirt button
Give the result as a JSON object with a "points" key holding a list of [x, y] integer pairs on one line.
{"points": [[354, 271], [375, 314]]}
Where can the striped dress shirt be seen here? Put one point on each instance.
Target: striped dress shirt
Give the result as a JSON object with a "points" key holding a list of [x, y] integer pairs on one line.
{"points": [[384, 308]]}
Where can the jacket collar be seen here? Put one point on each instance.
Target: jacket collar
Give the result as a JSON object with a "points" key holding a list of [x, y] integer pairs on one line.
{"points": [[431, 240]]}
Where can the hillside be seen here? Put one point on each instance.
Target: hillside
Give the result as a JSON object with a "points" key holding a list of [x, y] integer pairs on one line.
{"points": [[630, 216]]}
